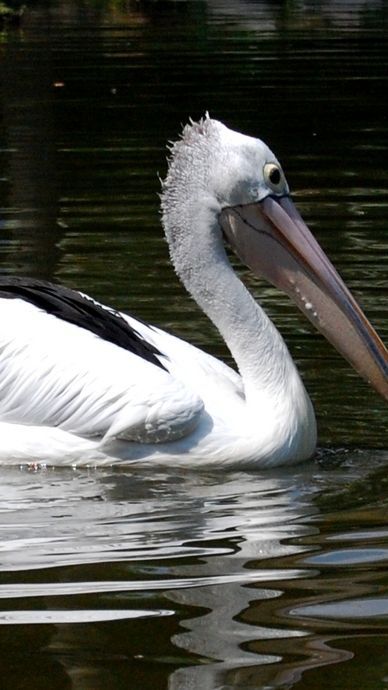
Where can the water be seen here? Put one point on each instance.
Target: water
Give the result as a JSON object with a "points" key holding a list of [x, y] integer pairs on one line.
{"points": [[181, 580], [184, 580]]}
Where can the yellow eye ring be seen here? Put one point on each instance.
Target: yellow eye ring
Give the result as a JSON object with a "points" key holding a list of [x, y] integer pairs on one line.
{"points": [[273, 176]]}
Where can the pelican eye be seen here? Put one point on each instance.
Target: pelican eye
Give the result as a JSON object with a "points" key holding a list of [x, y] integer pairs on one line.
{"points": [[273, 176]]}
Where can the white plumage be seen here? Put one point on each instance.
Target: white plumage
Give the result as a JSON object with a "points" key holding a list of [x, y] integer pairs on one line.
{"points": [[68, 396]]}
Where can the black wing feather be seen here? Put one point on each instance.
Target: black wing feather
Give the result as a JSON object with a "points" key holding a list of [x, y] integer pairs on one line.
{"points": [[81, 311]]}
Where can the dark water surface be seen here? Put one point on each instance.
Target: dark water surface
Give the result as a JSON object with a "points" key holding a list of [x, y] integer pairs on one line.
{"points": [[190, 580]]}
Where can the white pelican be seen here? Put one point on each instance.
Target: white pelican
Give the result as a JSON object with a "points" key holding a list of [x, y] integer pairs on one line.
{"points": [[82, 384]]}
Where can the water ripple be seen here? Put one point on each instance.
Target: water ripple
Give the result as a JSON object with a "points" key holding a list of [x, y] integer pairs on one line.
{"points": [[59, 617]]}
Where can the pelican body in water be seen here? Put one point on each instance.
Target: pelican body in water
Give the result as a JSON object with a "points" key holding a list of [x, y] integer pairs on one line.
{"points": [[83, 384]]}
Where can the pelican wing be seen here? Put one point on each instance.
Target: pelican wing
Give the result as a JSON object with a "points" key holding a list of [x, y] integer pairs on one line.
{"points": [[54, 373], [81, 310]]}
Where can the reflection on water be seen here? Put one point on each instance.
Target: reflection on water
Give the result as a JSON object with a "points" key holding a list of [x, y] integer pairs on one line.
{"points": [[114, 580], [199, 580]]}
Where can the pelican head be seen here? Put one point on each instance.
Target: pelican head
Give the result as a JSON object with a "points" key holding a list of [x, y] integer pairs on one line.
{"points": [[248, 192]]}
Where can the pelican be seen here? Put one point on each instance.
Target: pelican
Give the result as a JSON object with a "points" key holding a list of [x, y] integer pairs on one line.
{"points": [[81, 384]]}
